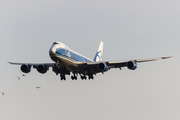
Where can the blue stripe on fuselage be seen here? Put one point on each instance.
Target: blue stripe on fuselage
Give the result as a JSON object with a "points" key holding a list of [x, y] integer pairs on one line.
{"points": [[71, 55]]}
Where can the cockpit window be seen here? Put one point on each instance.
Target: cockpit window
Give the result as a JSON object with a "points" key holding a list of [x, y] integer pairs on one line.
{"points": [[55, 43]]}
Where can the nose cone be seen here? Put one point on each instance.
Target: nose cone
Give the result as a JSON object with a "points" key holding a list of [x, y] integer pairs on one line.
{"points": [[52, 51]]}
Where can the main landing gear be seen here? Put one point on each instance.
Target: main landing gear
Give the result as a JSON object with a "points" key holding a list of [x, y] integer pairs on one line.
{"points": [[74, 77], [84, 77], [91, 77]]}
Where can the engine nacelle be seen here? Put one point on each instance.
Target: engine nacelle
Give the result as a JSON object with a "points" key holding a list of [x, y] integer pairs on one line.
{"points": [[26, 68], [131, 65], [103, 67], [42, 68]]}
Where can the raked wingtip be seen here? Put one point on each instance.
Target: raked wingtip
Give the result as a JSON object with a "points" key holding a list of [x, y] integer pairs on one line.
{"points": [[167, 57]]}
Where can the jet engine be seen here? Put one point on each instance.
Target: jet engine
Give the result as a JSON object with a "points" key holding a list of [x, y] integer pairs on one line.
{"points": [[131, 65], [42, 68], [26, 68], [103, 67]]}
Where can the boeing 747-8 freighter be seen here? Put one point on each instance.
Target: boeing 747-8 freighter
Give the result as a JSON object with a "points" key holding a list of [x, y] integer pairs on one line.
{"points": [[67, 61]]}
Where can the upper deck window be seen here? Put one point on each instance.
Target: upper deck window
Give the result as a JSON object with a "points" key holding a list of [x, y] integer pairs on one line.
{"points": [[55, 43]]}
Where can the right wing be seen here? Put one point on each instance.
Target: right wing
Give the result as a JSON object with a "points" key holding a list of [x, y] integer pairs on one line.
{"points": [[42, 67], [34, 64]]}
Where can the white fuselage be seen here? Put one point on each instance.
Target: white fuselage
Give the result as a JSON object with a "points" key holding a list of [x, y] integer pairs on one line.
{"points": [[65, 56]]}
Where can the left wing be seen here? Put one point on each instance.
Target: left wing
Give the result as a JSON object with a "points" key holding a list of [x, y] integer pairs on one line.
{"points": [[104, 66], [125, 63]]}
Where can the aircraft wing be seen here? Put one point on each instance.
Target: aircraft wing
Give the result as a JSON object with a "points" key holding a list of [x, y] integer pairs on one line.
{"points": [[146, 60], [34, 64], [41, 67], [119, 64], [92, 67]]}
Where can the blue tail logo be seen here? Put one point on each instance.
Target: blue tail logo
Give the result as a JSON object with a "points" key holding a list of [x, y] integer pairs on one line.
{"points": [[97, 56]]}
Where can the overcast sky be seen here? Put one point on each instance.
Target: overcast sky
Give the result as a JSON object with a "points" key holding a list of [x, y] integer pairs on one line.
{"points": [[129, 29]]}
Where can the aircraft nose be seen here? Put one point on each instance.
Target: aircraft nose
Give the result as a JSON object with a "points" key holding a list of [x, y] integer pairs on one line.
{"points": [[52, 51]]}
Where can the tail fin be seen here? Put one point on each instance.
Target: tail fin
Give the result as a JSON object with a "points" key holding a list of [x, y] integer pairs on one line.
{"points": [[99, 53]]}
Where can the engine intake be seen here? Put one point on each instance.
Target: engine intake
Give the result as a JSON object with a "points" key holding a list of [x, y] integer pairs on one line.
{"points": [[42, 69], [26, 68], [131, 65], [103, 67]]}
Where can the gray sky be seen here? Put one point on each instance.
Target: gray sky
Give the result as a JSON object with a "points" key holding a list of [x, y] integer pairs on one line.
{"points": [[129, 29]]}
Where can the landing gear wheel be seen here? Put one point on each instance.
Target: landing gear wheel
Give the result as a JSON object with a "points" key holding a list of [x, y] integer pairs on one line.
{"points": [[83, 77], [91, 77], [74, 77], [63, 77]]}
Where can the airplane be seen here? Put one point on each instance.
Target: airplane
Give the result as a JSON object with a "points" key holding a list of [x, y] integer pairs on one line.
{"points": [[38, 87], [2, 93], [67, 61], [21, 77]]}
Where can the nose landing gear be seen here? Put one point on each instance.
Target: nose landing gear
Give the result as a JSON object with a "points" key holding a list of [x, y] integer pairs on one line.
{"points": [[62, 76]]}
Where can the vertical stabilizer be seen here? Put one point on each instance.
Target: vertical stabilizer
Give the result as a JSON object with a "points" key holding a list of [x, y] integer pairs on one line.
{"points": [[99, 53]]}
